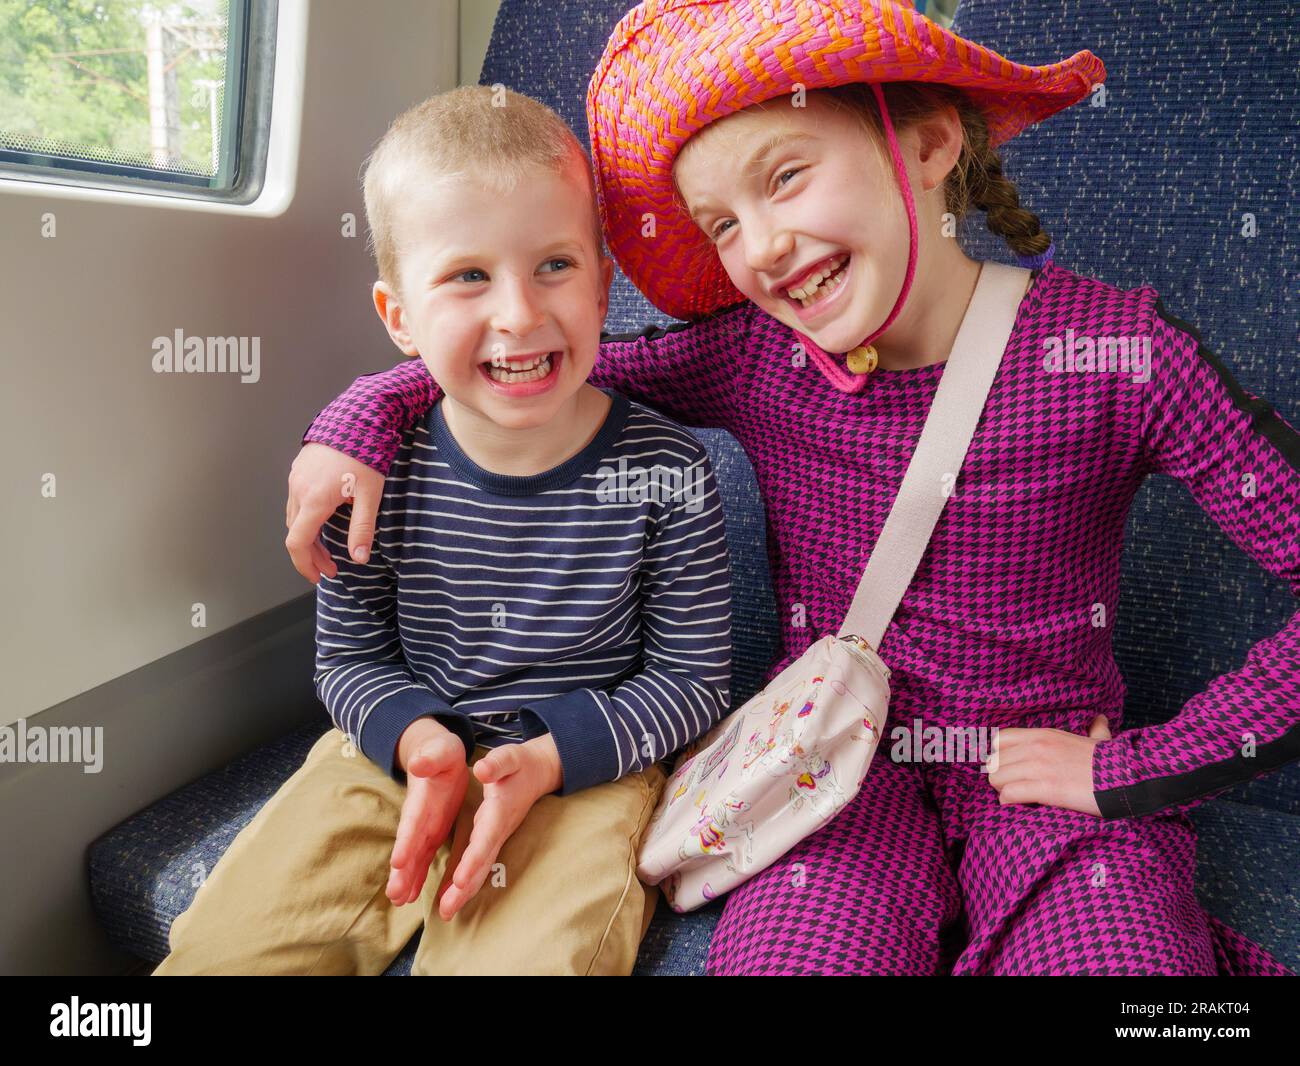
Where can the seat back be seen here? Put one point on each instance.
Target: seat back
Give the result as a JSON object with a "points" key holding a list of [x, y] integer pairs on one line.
{"points": [[1194, 141]]}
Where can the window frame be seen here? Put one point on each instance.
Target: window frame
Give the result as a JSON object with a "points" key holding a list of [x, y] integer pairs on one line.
{"points": [[242, 173]]}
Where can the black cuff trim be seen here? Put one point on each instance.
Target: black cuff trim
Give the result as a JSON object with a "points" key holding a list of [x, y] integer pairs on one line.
{"points": [[1155, 794]]}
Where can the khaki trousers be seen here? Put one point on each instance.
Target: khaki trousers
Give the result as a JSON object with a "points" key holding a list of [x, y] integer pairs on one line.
{"points": [[301, 889]]}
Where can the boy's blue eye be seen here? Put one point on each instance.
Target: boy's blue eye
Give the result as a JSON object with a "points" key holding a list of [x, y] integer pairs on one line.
{"points": [[483, 274]]}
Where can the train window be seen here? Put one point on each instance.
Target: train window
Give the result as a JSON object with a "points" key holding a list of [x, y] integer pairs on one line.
{"points": [[940, 12], [140, 97]]}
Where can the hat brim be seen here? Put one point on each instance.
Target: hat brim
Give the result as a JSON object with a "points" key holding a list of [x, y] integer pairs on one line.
{"points": [[673, 66]]}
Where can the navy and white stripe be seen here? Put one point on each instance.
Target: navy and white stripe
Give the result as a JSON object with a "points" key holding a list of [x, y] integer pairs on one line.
{"points": [[510, 606]]}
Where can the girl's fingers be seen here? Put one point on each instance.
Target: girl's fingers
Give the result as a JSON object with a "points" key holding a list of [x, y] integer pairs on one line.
{"points": [[1019, 792], [303, 533], [365, 510], [323, 562]]}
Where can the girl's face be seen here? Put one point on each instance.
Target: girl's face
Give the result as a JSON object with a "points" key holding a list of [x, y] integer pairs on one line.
{"points": [[804, 213]]}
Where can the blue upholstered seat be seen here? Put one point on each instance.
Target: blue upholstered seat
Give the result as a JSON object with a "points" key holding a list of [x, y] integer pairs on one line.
{"points": [[1149, 189]]}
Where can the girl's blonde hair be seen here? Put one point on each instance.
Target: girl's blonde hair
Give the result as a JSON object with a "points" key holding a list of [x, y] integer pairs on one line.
{"points": [[976, 180], [494, 136]]}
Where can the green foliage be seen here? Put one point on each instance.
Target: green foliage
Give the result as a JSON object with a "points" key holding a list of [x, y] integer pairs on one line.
{"points": [[75, 73]]}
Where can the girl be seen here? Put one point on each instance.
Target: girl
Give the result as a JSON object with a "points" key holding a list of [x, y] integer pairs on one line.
{"points": [[756, 174]]}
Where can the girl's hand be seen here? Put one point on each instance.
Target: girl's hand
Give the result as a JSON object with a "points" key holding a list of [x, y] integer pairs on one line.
{"points": [[514, 776], [1047, 766], [320, 481]]}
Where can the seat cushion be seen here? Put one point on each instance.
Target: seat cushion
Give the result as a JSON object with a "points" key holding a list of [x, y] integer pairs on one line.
{"points": [[143, 872]]}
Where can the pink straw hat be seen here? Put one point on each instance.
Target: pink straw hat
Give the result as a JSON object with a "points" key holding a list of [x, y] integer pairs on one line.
{"points": [[673, 66]]}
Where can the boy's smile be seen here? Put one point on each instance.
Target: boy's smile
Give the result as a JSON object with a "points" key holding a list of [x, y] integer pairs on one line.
{"points": [[525, 374]]}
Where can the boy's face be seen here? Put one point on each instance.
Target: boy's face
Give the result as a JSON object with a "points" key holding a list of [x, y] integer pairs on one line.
{"points": [[488, 278]]}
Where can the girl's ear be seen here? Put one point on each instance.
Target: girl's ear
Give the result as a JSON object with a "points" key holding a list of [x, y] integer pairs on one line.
{"points": [[388, 305], [939, 145]]}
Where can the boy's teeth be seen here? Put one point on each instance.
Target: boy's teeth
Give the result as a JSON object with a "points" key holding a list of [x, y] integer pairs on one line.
{"points": [[534, 371], [806, 292]]}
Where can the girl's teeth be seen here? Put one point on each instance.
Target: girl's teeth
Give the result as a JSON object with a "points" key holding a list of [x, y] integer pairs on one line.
{"points": [[824, 287], [536, 372], [809, 288]]}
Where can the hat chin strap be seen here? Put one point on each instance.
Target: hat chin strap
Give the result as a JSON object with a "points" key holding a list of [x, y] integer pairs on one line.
{"points": [[847, 381]]}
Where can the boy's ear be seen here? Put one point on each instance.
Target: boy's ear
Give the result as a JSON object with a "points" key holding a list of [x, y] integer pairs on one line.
{"points": [[388, 305]]}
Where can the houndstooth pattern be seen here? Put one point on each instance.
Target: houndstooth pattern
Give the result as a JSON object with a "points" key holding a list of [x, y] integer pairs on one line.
{"points": [[924, 873], [1000, 625]]}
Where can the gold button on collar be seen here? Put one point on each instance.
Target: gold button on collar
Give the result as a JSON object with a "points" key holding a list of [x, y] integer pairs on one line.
{"points": [[863, 360]]}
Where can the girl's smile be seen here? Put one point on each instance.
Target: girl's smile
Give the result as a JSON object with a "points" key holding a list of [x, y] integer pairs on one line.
{"points": [[820, 288]]}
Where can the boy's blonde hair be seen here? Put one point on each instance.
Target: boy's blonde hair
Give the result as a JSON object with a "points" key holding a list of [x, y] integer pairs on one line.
{"points": [[492, 135]]}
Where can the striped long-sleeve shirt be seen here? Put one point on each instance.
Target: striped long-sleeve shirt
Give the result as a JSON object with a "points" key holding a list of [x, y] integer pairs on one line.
{"points": [[591, 601], [999, 626]]}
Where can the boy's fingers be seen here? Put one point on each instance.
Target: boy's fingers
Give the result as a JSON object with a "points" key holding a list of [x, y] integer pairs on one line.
{"points": [[458, 844], [421, 873], [1100, 728], [498, 763], [491, 827], [436, 755], [411, 823], [395, 889], [407, 875]]}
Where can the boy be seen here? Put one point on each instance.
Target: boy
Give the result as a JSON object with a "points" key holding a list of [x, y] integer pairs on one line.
{"points": [[547, 602]]}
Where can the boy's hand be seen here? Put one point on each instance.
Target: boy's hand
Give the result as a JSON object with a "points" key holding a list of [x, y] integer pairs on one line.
{"points": [[1047, 766], [514, 776], [320, 481], [436, 779]]}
